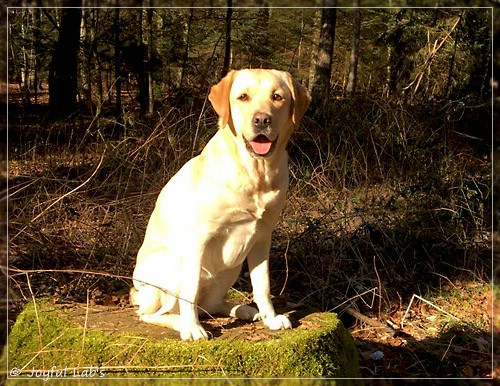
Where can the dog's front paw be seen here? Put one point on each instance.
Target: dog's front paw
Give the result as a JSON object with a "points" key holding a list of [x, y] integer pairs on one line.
{"points": [[193, 332], [278, 322]]}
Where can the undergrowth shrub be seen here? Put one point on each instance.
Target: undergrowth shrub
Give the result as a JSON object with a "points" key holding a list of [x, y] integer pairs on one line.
{"points": [[398, 202], [385, 200]]}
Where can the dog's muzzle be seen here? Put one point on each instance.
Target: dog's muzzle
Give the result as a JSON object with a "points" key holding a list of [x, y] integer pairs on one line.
{"points": [[261, 145]]}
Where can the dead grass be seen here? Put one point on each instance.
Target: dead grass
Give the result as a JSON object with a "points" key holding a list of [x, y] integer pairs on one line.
{"points": [[385, 204]]}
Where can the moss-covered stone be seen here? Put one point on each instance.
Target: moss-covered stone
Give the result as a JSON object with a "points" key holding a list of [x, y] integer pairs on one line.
{"points": [[74, 340]]}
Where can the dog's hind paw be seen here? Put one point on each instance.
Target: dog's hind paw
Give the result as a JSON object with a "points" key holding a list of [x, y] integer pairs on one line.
{"points": [[278, 322]]}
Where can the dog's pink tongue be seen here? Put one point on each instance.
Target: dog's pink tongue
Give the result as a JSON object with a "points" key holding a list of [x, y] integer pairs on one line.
{"points": [[261, 145]]}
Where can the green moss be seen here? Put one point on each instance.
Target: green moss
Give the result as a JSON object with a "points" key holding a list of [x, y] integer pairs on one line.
{"points": [[50, 337]]}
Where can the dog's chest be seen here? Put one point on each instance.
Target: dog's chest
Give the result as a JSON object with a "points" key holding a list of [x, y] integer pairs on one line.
{"points": [[246, 223], [237, 240]]}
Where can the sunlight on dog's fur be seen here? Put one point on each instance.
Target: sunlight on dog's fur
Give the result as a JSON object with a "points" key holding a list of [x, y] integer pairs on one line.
{"points": [[220, 208]]}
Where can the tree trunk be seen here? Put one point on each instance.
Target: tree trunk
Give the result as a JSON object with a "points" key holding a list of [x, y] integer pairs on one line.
{"points": [[118, 80], [140, 65], [227, 46], [25, 72], [480, 41], [186, 43], [297, 53], [63, 68], [89, 31], [262, 50], [38, 54], [388, 71], [452, 62], [323, 68], [150, 59], [353, 67], [14, 56]]}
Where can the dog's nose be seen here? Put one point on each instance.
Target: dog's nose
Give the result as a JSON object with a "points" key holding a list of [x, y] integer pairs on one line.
{"points": [[261, 120]]}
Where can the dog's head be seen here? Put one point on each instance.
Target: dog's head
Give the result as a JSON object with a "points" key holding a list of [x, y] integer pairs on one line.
{"points": [[261, 107]]}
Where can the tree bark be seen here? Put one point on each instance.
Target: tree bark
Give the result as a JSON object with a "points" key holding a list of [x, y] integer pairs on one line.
{"points": [[117, 61], [227, 46], [150, 59], [353, 67], [262, 50], [323, 69], [186, 43], [140, 65], [63, 68], [25, 47], [37, 40]]}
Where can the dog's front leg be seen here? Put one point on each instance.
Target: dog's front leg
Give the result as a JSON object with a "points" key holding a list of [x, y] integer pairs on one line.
{"points": [[258, 263], [190, 327]]}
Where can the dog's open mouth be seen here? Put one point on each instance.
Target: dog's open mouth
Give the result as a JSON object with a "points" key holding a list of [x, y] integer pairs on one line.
{"points": [[261, 145]]}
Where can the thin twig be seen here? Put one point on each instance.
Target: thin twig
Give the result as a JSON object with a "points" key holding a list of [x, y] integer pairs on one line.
{"points": [[43, 212], [97, 273], [370, 321], [85, 326], [379, 287], [286, 266], [198, 126], [128, 368], [71, 191], [100, 273], [42, 350], [372, 290], [36, 317], [427, 302], [145, 340], [432, 53], [448, 348]]}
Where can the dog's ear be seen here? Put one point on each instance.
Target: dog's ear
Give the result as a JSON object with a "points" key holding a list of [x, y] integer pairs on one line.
{"points": [[300, 99], [219, 97]]}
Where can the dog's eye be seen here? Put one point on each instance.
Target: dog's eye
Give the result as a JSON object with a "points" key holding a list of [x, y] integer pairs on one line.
{"points": [[243, 97], [277, 97]]}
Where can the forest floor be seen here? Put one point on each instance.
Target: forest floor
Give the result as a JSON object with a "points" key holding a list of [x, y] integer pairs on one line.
{"points": [[418, 303]]}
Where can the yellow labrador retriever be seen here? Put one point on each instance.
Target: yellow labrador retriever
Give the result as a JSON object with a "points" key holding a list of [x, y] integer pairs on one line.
{"points": [[220, 208]]}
